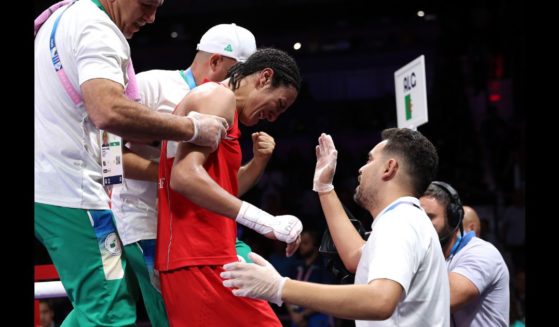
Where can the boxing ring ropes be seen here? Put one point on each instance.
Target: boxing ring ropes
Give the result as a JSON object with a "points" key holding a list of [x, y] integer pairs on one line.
{"points": [[47, 285]]}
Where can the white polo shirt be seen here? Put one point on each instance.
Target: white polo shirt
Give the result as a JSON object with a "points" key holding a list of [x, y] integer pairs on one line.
{"points": [[404, 247], [481, 263], [67, 150], [134, 203]]}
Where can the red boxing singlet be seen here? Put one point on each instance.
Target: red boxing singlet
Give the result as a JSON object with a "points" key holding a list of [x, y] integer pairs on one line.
{"points": [[187, 234]]}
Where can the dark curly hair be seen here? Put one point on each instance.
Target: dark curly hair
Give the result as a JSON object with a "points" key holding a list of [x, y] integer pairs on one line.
{"points": [[418, 153], [285, 69]]}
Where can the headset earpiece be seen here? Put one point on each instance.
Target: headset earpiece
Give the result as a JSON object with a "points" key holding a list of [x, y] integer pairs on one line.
{"points": [[455, 211]]}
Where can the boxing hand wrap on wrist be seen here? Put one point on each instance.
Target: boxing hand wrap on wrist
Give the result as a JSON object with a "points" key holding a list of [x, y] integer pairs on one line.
{"points": [[255, 218], [286, 228]]}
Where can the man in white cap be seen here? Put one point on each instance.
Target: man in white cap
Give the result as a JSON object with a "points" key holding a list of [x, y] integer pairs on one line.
{"points": [[134, 203]]}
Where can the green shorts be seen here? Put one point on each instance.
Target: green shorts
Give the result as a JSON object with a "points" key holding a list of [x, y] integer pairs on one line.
{"points": [[87, 253]]}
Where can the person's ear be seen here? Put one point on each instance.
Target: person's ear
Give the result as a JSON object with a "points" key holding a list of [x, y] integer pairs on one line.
{"points": [[214, 61], [266, 75], [390, 169]]}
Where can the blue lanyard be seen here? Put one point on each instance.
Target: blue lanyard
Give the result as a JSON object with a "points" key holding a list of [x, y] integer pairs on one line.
{"points": [[188, 78], [52, 44], [53, 50], [461, 242], [68, 87]]}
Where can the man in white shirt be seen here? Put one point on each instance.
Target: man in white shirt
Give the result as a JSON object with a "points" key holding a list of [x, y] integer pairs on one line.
{"points": [[82, 77], [478, 275], [401, 278]]}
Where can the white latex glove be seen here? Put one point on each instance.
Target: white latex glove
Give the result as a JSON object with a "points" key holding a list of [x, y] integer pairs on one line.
{"points": [[208, 129], [258, 280], [326, 158], [285, 228]]}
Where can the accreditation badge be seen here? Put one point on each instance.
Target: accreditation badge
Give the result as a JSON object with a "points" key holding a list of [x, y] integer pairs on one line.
{"points": [[111, 158]]}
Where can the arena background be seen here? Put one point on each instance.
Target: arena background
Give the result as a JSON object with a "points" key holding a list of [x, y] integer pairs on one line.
{"points": [[475, 66]]}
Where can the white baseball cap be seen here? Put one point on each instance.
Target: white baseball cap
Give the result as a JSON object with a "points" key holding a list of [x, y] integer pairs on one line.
{"points": [[229, 40]]}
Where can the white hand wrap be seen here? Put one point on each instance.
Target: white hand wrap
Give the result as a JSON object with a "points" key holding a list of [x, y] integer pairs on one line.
{"points": [[286, 228]]}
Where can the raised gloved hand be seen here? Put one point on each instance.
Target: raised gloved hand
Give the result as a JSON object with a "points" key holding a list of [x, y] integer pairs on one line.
{"points": [[326, 158], [258, 280], [285, 228], [208, 129]]}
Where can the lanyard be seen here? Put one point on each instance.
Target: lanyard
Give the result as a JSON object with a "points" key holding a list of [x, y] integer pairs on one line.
{"points": [[111, 152], [74, 95], [461, 242], [42, 18], [131, 90], [188, 78], [72, 92]]}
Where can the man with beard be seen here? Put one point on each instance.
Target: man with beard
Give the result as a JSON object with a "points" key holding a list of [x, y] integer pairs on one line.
{"points": [[401, 278], [478, 275]]}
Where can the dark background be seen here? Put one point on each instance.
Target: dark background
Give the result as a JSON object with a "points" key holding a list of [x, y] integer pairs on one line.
{"points": [[350, 49], [475, 66]]}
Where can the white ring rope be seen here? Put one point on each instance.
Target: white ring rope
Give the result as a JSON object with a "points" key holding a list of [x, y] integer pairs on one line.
{"points": [[47, 290]]}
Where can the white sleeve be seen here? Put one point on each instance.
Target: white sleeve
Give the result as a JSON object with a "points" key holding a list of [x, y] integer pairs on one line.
{"points": [[396, 252], [101, 53], [149, 89], [478, 263], [161, 90]]}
